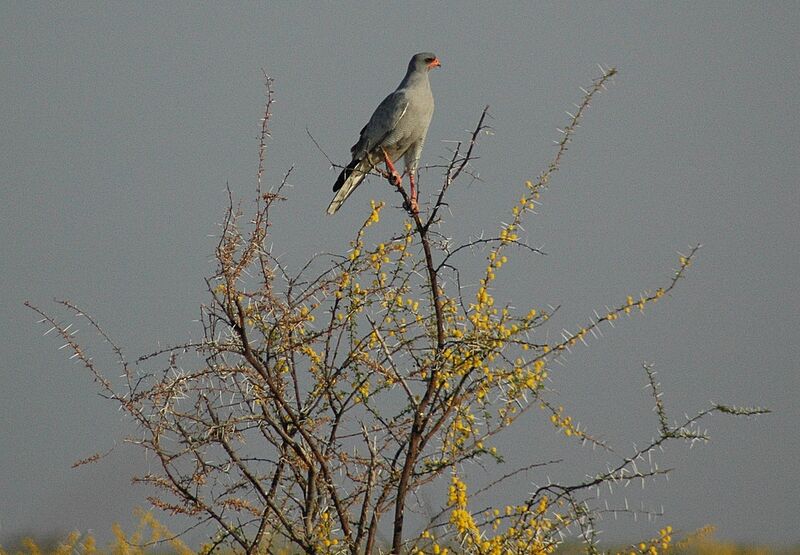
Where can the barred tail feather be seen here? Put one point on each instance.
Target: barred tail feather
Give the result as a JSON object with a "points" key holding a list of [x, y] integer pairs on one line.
{"points": [[348, 180]]}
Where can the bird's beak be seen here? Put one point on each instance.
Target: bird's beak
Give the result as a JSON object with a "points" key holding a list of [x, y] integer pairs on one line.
{"points": [[435, 63]]}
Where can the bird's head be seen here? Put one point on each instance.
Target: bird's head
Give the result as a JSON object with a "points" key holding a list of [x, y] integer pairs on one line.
{"points": [[424, 61]]}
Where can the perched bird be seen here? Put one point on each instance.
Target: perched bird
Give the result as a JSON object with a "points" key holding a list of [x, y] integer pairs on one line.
{"points": [[397, 128]]}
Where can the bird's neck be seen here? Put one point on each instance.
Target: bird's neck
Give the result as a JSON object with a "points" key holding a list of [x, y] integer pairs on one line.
{"points": [[415, 79]]}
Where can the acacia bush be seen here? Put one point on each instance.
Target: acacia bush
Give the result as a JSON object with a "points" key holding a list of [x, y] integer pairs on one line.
{"points": [[325, 400]]}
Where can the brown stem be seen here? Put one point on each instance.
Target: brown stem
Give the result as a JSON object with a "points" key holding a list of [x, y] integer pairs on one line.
{"points": [[419, 424]]}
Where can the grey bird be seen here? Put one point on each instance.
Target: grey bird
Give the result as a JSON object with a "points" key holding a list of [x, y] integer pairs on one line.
{"points": [[397, 128]]}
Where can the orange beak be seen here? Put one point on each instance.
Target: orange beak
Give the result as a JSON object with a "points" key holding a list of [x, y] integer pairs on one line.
{"points": [[435, 63]]}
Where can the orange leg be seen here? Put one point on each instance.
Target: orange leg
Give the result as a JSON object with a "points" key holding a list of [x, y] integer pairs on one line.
{"points": [[392, 171], [413, 199]]}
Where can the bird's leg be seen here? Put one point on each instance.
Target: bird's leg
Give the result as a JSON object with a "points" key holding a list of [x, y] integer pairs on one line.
{"points": [[396, 179], [413, 196]]}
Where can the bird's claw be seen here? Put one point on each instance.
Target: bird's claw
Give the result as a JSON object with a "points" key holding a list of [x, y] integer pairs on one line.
{"points": [[393, 178]]}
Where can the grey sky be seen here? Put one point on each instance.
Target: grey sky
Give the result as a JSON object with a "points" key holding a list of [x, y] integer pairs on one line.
{"points": [[122, 124]]}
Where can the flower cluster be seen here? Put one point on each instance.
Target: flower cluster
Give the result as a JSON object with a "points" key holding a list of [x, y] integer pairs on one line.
{"points": [[522, 529]]}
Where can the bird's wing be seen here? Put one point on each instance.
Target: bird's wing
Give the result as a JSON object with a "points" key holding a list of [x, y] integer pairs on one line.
{"points": [[383, 121]]}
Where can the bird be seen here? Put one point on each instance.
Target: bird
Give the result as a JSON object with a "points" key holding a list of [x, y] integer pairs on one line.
{"points": [[397, 128]]}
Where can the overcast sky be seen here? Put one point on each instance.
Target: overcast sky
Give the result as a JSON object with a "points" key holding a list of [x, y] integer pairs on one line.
{"points": [[123, 122]]}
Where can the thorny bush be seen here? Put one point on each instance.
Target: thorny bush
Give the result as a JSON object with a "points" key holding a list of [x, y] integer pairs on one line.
{"points": [[328, 398]]}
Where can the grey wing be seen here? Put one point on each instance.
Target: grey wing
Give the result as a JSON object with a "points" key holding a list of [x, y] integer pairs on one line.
{"points": [[383, 121]]}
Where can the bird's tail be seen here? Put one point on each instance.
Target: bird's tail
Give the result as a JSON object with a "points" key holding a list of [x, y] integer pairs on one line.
{"points": [[348, 180]]}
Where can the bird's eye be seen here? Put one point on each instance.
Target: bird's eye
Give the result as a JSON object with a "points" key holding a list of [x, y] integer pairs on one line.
{"points": [[429, 60]]}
